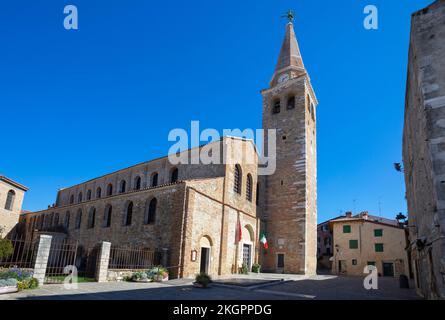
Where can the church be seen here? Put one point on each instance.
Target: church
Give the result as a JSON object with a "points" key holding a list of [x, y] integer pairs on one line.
{"points": [[210, 217]]}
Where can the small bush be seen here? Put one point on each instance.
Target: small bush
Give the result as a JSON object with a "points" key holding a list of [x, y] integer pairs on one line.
{"points": [[203, 279], [139, 276], [30, 283], [16, 273], [244, 269], [8, 282], [6, 248], [256, 268]]}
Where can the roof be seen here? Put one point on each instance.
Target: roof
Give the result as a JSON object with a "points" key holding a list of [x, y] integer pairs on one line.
{"points": [[290, 55], [363, 220], [13, 183]]}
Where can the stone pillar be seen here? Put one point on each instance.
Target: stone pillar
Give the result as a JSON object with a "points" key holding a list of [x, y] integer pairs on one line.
{"points": [[42, 258], [103, 260]]}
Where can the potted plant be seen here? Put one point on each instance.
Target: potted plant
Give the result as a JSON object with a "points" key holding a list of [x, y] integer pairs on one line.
{"points": [[160, 274], [244, 269], [202, 280], [256, 268], [8, 285], [140, 277]]}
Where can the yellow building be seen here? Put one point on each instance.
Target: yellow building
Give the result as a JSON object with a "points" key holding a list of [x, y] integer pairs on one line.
{"points": [[363, 240]]}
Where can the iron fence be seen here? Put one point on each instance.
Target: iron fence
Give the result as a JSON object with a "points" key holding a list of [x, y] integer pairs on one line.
{"points": [[131, 258], [62, 254], [22, 256]]}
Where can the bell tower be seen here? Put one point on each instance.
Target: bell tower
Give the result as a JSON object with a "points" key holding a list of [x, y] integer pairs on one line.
{"points": [[289, 213]]}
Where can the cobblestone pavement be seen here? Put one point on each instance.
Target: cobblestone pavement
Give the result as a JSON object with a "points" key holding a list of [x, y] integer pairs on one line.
{"points": [[291, 288]]}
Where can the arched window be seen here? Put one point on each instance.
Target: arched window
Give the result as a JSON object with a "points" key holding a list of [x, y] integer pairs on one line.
{"points": [[154, 179], [249, 188], [128, 214], [98, 192], [67, 220], [91, 218], [72, 199], [137, 183], [10, 200], [89, 195], [79, 197], [56, 219], [150, 211], [79, 219], [174, 175], [109, 189], [291, 102], [276, 107], [237, 179], [123, 186], [107, 216]]}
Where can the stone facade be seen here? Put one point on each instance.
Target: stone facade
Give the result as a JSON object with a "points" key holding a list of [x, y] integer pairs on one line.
{"points": [[11, 200], [424, 149], [360, 241], [199, 210], [290, 204]]}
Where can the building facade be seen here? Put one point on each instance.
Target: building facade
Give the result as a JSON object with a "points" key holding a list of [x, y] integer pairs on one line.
{"points": [[360, 241], [11, 199], [290, 194], [423, 149]]}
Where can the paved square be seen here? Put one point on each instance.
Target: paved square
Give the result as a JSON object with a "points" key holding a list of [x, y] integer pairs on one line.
{"points": [[264, 287]]}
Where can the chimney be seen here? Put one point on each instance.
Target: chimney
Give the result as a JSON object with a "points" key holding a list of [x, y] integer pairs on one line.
{"points": [[365, 215], [349, 214]]}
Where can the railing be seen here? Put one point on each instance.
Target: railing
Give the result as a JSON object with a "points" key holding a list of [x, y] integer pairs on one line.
{"points": [[22, 256], [62, 254], [131, 258]]}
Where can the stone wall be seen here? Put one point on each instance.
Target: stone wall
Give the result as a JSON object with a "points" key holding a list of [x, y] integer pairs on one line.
{"points": [[9, 218], [424, 148]]}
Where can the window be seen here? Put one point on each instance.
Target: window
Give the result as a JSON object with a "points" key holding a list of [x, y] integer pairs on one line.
{"points": [[312, 112], [379, 247], [370, 263], [174, 175], [346, 229], [107, 216], [98, 193], [150, 211], [249, 188], [67, 220], [80, 198], [129, 214], [137, 183], [353, 244], [79, 219], [91, 218], [280, 260], [89, 195], [291, 103], [237, 179], [154, 179], [378, 232], [276, 107], [109, 189], [257, 194], [123, 186], [56, 219], [10, 200], [72, 199], [354, 262]]}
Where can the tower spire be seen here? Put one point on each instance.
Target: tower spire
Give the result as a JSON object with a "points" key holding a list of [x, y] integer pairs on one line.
{"points": [[290, 57]]}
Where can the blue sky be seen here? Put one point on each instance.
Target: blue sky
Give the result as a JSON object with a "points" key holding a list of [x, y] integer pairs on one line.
{"points": [[79, 104]]}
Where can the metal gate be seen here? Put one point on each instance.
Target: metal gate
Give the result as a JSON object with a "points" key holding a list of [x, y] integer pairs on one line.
{"points": [[61, 255]]}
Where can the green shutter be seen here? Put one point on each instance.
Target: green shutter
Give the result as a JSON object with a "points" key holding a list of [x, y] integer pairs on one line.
{"points": [[346, 229], [378, 232], [379, 247], [353, 244]]}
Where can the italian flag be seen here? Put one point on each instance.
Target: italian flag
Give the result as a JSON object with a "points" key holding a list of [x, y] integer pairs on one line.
{"points": [[263, 240]]}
